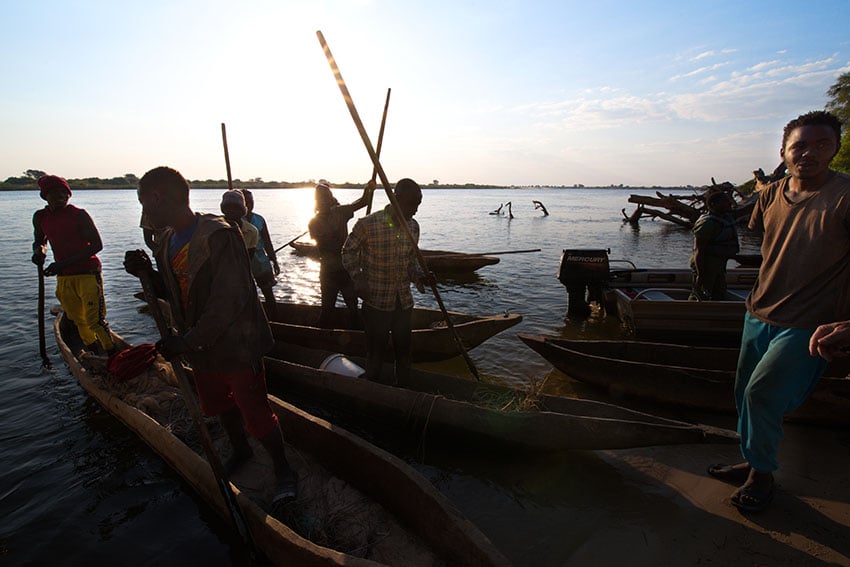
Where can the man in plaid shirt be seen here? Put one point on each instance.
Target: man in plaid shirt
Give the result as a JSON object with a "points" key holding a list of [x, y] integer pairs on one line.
{"points": [[381, 260]]}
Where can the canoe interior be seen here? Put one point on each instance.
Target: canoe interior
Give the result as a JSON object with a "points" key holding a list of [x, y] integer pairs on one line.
{"points": [[365, 503]]}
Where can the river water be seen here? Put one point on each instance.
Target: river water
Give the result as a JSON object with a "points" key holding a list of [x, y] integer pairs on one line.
{"points": [[77, 487]]}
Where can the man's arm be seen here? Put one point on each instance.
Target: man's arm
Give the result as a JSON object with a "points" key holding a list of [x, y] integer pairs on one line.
{"points": [[269, 247], [352, 258], [364, 198], [39, 241]]}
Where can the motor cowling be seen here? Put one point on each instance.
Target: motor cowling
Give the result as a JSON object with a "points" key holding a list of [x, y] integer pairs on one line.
{"points": [[584, 267], [584, 272]]}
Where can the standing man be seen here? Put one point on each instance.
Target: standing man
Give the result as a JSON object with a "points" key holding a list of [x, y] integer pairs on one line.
{"points": [[803, 282], [264, 261], [221, 328], [75, 242], [381, 260], [715, 241], [329, 228]]}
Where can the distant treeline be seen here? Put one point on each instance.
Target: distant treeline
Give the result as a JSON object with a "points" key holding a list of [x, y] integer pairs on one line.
{"points": [[131, 181]]}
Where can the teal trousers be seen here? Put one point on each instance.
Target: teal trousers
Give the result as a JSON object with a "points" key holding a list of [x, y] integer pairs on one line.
{"points": [[775, 375]]}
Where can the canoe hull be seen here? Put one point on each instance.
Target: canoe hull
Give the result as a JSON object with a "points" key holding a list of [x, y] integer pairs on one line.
{"points": [[475, 416], [439, 261], [431, 339], [663, 373]]}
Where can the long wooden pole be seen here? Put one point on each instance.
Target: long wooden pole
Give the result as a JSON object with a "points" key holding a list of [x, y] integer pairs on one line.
{"points": [[377, 164], [378, 149], [42, 345], [226, 156], [188, 392], [276, 250]]}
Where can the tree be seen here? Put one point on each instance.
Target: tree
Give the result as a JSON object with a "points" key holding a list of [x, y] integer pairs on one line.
{"points": [[33, 173], [839, 95], [841, 162], [839, 104]]}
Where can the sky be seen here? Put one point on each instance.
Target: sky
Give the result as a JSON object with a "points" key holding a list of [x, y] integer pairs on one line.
{"points": [[497, 92]]}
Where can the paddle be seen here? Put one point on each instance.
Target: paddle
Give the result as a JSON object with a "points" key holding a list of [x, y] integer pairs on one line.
{"points": [[188, 392], [226, 156], [42, 347], [276, 250], [378, 149], [377, 164]]}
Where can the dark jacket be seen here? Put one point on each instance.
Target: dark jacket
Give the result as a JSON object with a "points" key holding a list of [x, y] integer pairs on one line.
{"points": [[223, 322]]}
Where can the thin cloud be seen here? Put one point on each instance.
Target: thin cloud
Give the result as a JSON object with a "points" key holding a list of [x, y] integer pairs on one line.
{"points": [[706, 69]]}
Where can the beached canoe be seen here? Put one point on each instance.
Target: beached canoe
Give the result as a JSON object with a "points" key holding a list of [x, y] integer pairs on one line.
{"points": [[686, 376], [439, 261], [473, 415], [364, 506], [295, 323]]}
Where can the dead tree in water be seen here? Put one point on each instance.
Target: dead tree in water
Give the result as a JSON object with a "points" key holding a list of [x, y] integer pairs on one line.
{"points": [[763, 180], [683, 210]]}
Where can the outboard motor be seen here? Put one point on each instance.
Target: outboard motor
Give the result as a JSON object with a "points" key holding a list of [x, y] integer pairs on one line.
{"points": [[584, 272]]}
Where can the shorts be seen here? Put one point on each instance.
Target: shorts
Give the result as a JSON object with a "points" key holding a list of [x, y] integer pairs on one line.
{"points": [[244, 389]]}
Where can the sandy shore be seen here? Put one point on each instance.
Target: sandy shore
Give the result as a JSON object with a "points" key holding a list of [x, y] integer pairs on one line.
{"points": [[688, 519]]}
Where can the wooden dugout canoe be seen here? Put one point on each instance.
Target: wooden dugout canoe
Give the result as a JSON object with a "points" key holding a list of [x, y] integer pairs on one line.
{"points": [[439, 261], [681, 375], [403, 505], [476, 415], [295, 323]]}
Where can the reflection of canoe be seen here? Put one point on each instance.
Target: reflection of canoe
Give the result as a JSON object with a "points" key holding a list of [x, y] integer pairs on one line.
{"points": [[654, 304], [439, 261], [472, 415], [391, 510], [697, 377], [432, 340]]}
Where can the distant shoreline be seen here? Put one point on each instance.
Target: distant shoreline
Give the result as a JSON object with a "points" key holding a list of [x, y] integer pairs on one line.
{"points": [[286, 186]]}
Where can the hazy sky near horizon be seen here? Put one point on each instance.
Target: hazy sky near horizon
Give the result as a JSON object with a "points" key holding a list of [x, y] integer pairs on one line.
{"points": [[504, 92]]}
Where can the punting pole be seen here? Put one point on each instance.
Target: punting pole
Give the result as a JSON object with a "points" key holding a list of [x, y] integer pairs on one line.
{"points": [[377, 164]]}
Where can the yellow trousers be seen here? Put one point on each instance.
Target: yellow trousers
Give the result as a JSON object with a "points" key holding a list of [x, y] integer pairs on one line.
{"points": [[81, 297]]}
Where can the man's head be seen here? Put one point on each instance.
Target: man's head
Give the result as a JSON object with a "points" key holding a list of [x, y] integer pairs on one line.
{"points": [[164, 195], [233, 205], [324, 198], [718, 201], [409, 196], [809, 142], [55, 190], [249, 199]]}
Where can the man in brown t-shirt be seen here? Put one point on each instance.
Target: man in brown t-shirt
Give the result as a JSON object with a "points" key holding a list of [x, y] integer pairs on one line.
{"points": [[803, 282]]}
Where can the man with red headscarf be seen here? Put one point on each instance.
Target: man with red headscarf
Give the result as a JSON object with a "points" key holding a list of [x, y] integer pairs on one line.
{"points": [[75, 242]]}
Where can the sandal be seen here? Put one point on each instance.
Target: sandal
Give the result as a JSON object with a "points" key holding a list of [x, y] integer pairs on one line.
{"points": [[736, 474], [748, 499]]}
